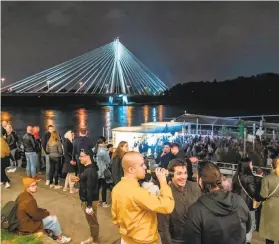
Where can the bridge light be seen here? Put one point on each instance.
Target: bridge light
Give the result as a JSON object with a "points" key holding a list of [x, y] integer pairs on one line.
{"points": [[125, 99], [110, 100]]}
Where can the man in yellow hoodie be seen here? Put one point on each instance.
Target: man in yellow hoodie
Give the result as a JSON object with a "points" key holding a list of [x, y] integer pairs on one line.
{"points": [[134, 208]]}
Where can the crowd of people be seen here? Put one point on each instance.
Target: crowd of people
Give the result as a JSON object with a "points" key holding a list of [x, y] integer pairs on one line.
{"points": [[171, 204]]}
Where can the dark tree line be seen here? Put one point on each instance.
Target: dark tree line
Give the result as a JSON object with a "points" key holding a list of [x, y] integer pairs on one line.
{"points": [[250, 94]]}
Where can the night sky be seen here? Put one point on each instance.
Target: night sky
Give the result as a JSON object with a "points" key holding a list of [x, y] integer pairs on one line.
{"points": [[178, 41]]}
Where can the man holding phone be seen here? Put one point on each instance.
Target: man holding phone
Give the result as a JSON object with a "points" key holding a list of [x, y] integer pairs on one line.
{"points": [[89, 194]]}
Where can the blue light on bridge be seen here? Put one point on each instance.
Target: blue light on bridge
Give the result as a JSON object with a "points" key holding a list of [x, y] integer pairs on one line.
{"points": [[125, 100], [110, 100]]}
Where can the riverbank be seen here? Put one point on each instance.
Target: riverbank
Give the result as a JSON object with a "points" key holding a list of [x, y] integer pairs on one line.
{"points": [[67, 208]]}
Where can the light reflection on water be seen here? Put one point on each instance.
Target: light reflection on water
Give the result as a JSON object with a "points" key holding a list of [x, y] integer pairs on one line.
{"points": [[49, 118], [95, 119], [82, 118], [145, 113]]}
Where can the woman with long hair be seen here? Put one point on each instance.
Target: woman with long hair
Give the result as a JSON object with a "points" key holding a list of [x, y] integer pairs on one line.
{"points": [[5, 162], [244, 185], [117, 170], [55, 151], [103, 161], [218, 216], [70, 166], [270, 208]]}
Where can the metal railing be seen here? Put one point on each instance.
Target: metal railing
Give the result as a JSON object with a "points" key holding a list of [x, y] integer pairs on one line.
{"points": [[231, 169]]}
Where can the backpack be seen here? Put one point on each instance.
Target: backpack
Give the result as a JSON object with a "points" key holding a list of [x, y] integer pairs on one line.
{"points": [[9, 219], [108, 175]]}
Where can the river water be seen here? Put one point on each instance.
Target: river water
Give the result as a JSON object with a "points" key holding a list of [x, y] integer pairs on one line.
{"points": [[95, 118]]}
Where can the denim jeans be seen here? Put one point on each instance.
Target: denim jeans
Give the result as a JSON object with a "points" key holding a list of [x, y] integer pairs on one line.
{"points": [[47, 167], [253, 227], [52, 223], [31, 158]]}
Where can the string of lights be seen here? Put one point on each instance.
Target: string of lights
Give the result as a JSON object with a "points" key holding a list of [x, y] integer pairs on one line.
{"points": [[110, 69]]}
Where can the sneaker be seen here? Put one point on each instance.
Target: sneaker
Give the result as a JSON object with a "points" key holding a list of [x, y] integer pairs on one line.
{"points": [[105, 205], [65, 189], [57, 187], [73, 191], [51, 186], [99, 203], [47, 182], [10, 171], [13, 170], [64, 239], [2, 183], [7, 185], [37, 178], [88, 241]]}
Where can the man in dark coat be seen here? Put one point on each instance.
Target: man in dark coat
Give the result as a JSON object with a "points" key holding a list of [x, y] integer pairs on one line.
{"points": [[218, 216], [165, 157], [172, 227], [89, 193], [32, 218]]}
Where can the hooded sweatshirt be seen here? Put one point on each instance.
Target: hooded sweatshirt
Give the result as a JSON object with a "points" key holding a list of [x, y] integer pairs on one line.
{"points": [[216, 218]]}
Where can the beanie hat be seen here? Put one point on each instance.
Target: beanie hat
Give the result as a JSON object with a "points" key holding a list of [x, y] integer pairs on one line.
{"points": [[27, 181]]}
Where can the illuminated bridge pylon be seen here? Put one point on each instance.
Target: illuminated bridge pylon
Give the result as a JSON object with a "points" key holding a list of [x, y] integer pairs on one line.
{"points": [[110, 69]]}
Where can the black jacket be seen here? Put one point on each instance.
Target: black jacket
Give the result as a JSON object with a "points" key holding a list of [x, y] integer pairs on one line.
{"points": [[258, 184], [116, 169], [171, 227], [164, 160], [68, 150], [29, 143], [248, 183], [45, 140], [217, 218], [88, 188], [4, 132], [12, 140]]}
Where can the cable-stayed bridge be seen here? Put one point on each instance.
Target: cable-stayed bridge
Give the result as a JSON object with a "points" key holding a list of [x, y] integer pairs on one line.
{"points": [[111, 69]]}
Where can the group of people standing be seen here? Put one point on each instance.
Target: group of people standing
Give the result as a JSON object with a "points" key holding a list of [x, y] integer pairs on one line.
{"points": [[193, 212], [170, 205]]}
